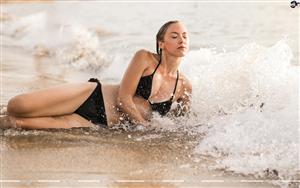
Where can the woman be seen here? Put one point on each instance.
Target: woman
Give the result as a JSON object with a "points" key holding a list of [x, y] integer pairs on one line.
{"points": [[151, 82]]}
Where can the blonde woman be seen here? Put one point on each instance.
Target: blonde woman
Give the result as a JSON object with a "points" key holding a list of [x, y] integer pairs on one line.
{"points": [[151, 82]]}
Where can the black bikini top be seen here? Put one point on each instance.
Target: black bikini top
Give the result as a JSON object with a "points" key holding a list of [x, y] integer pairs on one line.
{"points": [[144, 90]]}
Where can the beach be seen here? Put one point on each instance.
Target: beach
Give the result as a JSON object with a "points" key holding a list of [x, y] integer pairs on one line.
{"points": [[244, 67]]}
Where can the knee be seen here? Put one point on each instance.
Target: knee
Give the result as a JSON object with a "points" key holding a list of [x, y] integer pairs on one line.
{"points": [[17, 105]]}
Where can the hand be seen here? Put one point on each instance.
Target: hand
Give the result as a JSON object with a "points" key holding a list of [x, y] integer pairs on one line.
{"points": [[143, 126], [146, 124]]}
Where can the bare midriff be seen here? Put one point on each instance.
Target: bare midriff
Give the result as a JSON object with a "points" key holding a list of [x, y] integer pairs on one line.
{"points": [[113, 113]]}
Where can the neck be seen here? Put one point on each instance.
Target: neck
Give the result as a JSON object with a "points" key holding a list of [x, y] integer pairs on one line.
{"points": [[169, 64]]}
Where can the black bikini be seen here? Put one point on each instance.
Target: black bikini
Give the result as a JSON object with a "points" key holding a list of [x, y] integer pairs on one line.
{"points": [[144, 90], [93, 108]]}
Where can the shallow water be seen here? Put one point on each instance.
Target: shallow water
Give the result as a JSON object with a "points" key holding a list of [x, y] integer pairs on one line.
{"points": [[110, 159], [244, 67]]}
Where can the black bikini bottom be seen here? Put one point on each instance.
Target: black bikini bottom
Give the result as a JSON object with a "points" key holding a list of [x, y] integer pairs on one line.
{"points": [[93, 108]]}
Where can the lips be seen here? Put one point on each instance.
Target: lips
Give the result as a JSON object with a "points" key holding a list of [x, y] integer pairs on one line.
{"points": [[181, 48]]}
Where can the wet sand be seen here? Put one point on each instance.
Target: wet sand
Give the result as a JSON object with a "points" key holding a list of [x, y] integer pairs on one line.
{"points": [[108, 158], [96, 158]]}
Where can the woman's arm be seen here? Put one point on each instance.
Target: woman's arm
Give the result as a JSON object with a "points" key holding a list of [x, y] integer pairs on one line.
{"points": [[128, 87], [184, 101]]}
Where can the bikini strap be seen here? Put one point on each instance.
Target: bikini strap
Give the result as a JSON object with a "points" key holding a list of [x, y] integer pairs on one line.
{"points": [[157, 66], [94, 80], [175, 86]]}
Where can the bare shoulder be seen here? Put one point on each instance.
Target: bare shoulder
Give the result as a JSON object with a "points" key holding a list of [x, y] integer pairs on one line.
{"points": [[141, 53], [144, 55], [139, 62], [144, 60], [138, 66]]}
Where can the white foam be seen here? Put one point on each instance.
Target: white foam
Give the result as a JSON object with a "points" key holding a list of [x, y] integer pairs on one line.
{"points": [[257, 90], [81, 50], [72, 44]]}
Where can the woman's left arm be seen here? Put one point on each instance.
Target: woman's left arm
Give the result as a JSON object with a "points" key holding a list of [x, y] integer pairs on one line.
{"points": [[184, 101]]}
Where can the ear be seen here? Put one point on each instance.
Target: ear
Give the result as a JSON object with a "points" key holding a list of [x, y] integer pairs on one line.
{"points": [[161, 44]]}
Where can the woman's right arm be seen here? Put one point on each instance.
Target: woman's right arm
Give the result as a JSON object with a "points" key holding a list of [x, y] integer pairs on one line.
{"points": [[128, 87]]}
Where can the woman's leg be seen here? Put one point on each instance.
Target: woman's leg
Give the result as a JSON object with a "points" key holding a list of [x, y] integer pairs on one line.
{"points": [[54, 101], [57, 122]]}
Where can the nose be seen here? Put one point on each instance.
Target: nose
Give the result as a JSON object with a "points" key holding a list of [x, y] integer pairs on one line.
{"points": [[181, 39]]}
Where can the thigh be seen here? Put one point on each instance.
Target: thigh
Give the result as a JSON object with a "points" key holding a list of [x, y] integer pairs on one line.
{"points": [[58, 122], [54, 101]]}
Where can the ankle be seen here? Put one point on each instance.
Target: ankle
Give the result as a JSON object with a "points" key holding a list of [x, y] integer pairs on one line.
{"points": [[9, 122]]}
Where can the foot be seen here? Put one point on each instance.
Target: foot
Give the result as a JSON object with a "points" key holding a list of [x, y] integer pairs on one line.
{"points": [[3, 110], [7, 122]]}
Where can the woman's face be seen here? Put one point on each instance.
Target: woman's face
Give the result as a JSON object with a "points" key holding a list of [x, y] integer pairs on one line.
{"points": [[176, 40]]}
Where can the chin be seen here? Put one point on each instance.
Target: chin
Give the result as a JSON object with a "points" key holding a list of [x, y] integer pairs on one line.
{"points": [[179, 53], [182, 54]]}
